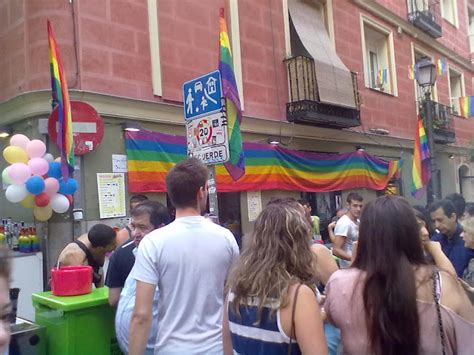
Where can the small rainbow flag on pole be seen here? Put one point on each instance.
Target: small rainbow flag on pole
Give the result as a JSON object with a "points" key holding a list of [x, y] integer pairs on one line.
{"points": [[421, 162], [466, 103], [236, 164], [60, 97], [441, 65]]}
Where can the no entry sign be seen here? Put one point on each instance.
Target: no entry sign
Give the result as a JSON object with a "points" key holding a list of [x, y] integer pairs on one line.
{"points": [[87, 127]]}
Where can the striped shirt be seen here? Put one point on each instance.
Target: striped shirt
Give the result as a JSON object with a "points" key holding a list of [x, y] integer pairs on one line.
{"points": [[267, 337]]}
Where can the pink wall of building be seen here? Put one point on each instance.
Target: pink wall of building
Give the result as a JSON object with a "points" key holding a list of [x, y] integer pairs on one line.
{"points": [[112, 54]]}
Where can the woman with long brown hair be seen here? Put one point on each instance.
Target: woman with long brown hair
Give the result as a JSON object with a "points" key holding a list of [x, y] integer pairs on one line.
{"points": [[271, 305], [391, 301]]}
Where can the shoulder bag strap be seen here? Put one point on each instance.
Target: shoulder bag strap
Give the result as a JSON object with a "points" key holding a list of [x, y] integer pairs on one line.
{"points": [[293, 310], [436, 281]]}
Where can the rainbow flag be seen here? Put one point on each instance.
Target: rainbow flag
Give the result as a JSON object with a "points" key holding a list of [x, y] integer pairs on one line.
{"points": [[236, 164], [268, 167], [466, 104], [441, 65], [382, 76], [60, 97], [411, 72], [421, 162]]}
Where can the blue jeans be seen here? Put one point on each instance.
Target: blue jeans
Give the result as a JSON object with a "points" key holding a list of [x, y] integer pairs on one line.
{"points": [[333, 337]]}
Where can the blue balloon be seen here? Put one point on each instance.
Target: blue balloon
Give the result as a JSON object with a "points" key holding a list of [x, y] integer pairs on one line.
{"points": [[69, 187], [54, 170], [35, 185]]}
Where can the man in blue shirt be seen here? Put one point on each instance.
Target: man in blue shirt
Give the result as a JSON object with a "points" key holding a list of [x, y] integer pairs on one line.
{"points": [[445, 220]]}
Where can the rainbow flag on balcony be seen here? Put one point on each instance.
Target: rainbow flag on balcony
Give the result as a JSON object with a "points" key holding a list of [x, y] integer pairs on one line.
{"points": [[268, 167], [466, 105], [421, 162], [441, 65], [382, 76]]}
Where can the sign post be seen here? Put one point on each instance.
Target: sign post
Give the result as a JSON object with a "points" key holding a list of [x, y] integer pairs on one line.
{"points": [[206, 127]]}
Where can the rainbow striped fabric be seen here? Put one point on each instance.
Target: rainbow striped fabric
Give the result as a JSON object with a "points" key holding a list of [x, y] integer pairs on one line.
{"points": [[466, 104], [382, 76], [60, 97], [442, 65], [421, 162], [268, 167], [236, 164]]}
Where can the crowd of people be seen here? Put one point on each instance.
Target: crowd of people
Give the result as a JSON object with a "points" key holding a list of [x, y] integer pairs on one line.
{"points": [[397, 280]]}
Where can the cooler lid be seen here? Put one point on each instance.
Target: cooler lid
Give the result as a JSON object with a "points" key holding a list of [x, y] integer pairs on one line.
{"points": [[98, 297]]}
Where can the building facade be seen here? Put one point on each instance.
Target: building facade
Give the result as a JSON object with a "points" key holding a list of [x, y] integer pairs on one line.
{"points": [[318, 75]]}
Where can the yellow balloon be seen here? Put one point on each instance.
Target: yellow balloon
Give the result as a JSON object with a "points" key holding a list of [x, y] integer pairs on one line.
{"points": [[28, 202], [43, 213], [14, 154]]}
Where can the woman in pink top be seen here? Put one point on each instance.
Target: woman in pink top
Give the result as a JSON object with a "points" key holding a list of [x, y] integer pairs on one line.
{"points": [[385, 303]]}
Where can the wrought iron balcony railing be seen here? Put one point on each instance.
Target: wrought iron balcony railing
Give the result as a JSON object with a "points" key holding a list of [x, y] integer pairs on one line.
{"points": [[425, 14], [305, 106], [442, 122]]}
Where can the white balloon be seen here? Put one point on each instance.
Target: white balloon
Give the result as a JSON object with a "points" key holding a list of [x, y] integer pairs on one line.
{"points": [[49, 157], [59, 203], [16, 193]]}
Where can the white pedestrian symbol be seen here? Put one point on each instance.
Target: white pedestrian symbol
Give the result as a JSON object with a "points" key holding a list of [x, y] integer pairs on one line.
{"points": [[189, 102], [203, 102]]}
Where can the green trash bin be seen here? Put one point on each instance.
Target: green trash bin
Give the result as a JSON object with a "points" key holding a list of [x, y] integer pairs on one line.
{"points": [[77, 325]]}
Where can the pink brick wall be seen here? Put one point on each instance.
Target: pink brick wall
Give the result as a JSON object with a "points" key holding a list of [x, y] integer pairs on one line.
{"points": [[113, 53], [396, 114]]}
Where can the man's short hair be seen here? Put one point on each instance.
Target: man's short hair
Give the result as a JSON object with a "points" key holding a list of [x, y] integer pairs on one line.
{"points": [[138, 198], [101, 235], [459, 203], [183, 182], [354, 196], [157, 211], [470, 209], [447, 206]]}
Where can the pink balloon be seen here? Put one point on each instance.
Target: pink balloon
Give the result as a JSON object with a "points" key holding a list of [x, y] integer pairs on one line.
{"points": [[51, 186], [19, 173], [36, 149], [38, 166], [20, 140]]}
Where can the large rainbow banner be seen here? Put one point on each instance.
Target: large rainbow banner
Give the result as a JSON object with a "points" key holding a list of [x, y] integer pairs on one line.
{"points": [[268, 167]]}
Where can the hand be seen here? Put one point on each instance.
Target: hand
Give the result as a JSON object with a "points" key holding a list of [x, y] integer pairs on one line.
{"points": [[332, 225]]}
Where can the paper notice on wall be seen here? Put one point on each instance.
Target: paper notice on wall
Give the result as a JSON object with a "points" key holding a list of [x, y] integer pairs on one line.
{"points": [[254, 202], [119, 163], [111, 190]]}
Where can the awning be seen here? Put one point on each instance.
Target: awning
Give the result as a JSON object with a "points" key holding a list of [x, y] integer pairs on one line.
{"points": [[333, 78]]}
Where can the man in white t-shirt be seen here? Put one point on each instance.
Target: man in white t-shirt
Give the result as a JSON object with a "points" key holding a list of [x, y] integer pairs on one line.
{"points": [[347, 230], [189, 261]]}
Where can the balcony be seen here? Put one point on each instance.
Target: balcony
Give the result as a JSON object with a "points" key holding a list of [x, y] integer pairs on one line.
{"points": [[305, 106], [426, 17], [443, 131]]}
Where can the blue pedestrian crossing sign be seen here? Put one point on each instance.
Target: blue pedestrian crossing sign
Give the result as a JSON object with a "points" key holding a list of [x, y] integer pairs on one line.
{"points": [[202, 95]]}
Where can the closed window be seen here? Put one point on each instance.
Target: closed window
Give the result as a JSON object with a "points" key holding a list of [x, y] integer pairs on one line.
{"points": [[449, 11]]}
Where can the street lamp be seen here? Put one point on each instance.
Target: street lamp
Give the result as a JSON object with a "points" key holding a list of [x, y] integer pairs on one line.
{"points": [[426, 78]]}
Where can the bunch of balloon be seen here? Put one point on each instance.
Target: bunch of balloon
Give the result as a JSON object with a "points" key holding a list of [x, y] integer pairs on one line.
{"points": [[34, 178]]}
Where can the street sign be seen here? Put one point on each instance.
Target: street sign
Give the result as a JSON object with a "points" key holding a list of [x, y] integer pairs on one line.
{"points": [[202, 95], [87, 127], [207, 138]]}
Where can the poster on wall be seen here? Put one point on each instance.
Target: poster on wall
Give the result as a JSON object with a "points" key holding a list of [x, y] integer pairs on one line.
{"points": [[111, 190], [254, 202]]}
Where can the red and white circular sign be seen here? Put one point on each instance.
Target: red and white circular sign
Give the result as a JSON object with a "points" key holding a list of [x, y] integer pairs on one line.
{"points": [[87, 127]]}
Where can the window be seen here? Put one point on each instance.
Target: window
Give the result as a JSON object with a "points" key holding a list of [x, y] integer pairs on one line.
{"points": [[449, 11], [471, 29], [417, 5], [456, 89], [379, 63]]}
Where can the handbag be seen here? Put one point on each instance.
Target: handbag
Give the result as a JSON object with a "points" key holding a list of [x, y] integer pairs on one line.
{"points": [[292, 332], [435, 278]]}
